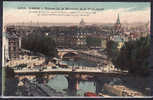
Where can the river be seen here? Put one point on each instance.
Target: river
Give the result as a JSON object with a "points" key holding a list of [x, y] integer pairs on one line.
{"points": [[60, 84]]}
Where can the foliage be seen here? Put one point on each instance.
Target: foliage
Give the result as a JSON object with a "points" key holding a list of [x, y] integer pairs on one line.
{"points": [[40, 43], [112, 50], [133, 56]]}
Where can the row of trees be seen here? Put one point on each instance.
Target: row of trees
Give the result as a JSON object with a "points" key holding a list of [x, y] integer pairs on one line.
{"points": [[40, 43], [133, 56]]}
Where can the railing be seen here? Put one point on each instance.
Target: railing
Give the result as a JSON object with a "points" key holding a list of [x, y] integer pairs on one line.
{"points": [[65, 50], [70, 69]]}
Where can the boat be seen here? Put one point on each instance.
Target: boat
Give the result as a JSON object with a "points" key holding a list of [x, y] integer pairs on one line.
{"points": [[90, 94]]}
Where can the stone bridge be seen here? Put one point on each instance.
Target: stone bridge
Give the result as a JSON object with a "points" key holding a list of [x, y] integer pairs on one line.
{"points": [[70, 53], [66, 52], [73, 77]]}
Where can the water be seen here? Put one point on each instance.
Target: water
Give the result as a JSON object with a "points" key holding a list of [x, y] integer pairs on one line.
{"points": [[60, 84], [86, 87]]}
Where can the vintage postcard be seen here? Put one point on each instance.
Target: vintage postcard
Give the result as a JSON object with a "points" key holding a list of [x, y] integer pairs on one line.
{"points": [[76, 49]]}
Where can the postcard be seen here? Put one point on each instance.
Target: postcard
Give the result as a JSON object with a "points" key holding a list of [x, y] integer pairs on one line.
{"points": [[76, 49]]}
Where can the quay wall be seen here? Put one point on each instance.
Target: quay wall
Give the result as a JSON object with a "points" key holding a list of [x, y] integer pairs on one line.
{"points": [[113, 91]]}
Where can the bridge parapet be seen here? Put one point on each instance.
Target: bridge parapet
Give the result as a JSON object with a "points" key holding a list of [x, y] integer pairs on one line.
{"points": [[94, 72], [63, 52], [66, 50]]}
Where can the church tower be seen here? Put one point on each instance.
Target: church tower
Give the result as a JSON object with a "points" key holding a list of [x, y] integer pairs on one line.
{"points": [[118, 28]]}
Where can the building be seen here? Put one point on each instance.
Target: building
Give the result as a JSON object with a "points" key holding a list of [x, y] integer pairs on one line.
{"points": [[103, 43], [119, 40], [60, 40], [117, 27], [80, 39], [72, 39], [14, 46], [5, 51]]}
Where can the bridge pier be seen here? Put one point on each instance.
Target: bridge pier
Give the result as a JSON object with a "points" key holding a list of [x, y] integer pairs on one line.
{"points": [[98, 86], [99, 82], [77, 85], [72, 87], [73, 84]]}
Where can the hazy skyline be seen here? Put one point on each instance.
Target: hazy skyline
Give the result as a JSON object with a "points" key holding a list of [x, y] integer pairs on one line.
{"points": [[129, 12]]}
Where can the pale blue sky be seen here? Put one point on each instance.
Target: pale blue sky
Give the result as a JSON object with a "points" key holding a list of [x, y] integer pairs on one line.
{"points": [[106, 5], [129, 12]]}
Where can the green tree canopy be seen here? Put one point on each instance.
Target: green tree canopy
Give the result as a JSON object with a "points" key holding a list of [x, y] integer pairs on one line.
{"points": [[133, 56], [40, 43], [112, 50]]}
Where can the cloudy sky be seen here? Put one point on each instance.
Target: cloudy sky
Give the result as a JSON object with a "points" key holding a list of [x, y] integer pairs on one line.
{"points": [[129, 12]]}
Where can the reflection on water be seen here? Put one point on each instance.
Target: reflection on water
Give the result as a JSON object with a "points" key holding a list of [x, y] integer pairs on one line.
{"points": [[86, 87], [60, 84]]}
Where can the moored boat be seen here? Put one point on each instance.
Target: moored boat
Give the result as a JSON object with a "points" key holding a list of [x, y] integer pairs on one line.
{"points": [[90, 94]]}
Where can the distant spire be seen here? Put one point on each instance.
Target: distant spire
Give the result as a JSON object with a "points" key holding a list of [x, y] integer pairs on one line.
{"points": [[118, 19], [82, 22]]}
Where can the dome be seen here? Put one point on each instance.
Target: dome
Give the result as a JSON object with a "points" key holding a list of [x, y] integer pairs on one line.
{"points": [[82, 22]]}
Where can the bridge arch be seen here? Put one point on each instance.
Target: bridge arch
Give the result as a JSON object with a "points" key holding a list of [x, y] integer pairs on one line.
{"points": [[67, 54]]}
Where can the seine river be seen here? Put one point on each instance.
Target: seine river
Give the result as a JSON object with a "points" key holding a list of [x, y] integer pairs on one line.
{"points": [[60, 84]]}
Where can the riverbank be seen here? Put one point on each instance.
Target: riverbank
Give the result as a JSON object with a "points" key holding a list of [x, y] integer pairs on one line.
{"points": [[137, 83], [126, 86]]}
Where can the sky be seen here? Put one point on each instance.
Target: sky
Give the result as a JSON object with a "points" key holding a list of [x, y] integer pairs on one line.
{"points": [[129, 12]]}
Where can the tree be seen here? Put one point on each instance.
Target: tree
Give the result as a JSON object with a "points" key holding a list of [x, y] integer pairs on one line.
{"points": [[40, 43], [112, 50], [134, 55]]}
